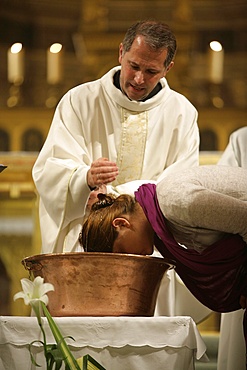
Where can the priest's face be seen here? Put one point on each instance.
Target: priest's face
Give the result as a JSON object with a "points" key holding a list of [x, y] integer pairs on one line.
{"points": [[141, 69]]}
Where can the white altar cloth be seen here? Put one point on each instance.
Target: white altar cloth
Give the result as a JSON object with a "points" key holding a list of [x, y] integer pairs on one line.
{"points": [[117, 343]]}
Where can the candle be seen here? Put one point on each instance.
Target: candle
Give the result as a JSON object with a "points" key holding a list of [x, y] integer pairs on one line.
{"points": [[216, 62], [54, 64], [16, 64]]}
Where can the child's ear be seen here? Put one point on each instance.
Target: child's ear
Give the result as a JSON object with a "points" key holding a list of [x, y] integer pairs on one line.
{"points": [[119, 222]]}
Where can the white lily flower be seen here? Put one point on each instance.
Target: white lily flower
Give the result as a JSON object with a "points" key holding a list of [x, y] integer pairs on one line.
{"points": [[34, 291]]}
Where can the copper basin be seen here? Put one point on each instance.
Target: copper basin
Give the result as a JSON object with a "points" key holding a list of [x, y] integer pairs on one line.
{"points": [[100, 284]]}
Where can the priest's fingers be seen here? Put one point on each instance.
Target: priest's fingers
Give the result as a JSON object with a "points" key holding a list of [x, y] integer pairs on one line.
{"points": [[102, 162], [107, 175], [102, 171]]}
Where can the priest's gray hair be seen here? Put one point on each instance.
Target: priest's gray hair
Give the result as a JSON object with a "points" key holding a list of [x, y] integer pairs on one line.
{"points": [[157, 35]]}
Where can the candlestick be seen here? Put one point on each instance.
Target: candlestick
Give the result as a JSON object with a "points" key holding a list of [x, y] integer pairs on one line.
{"points": [[216, 62], [16, 64], [54, 64]]}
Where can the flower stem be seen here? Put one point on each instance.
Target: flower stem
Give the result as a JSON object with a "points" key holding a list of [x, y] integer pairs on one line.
{"points": [[68, 357], [36, 309]]}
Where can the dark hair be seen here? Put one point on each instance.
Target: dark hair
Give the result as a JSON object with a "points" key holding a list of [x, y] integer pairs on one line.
{"points": [[157, 36], [98, 234]]}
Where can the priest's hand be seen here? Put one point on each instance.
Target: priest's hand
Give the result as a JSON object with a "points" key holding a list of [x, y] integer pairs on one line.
{"points": [[101, 172]]}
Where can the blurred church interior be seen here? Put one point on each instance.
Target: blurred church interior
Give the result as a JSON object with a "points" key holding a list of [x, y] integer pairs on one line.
{"points": [[89, 32]]}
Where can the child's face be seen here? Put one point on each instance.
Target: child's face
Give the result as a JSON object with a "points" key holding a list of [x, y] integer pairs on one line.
{"points": [[134, 238]]}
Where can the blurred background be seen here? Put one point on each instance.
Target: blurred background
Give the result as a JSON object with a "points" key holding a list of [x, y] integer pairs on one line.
{"points": [[48, 47]]}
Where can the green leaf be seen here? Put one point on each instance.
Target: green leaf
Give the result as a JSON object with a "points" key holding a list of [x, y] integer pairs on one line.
{"points": [[30, 351], [69, 359]]}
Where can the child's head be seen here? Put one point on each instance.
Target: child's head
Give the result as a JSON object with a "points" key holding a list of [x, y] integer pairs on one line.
{"points": [[98, 233]]}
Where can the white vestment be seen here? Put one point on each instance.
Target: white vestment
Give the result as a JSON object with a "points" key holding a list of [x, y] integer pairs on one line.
{"points": [[232, 351], [235, 153], [147, 140], [96, 120]]}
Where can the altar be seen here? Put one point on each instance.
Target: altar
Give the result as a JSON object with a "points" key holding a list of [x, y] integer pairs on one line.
{"points": [[117, 343]]}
